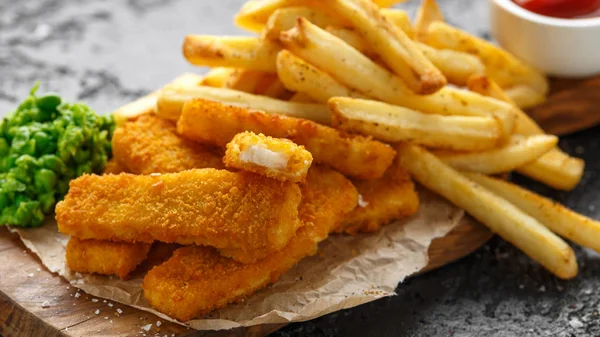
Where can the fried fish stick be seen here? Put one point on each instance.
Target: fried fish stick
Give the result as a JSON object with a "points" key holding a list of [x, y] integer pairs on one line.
{"points": [[275, 158], [152, 145], [105, 257], [382, 200], [197, 280], [113, 167], [244, 215], [216, 123]]}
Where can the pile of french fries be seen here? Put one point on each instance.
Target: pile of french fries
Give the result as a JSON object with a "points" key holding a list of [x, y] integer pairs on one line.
{"points": [[361, 67]]}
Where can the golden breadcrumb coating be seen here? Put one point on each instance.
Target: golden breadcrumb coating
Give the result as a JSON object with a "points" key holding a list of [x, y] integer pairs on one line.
{"points": [[105, 257], [216, 123], [197, 280], [244, 215], [382, 200], [275, 158], [150, 144]]}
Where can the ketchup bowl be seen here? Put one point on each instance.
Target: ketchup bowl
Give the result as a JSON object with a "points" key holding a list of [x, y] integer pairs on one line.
{"points": [[566, 47]]}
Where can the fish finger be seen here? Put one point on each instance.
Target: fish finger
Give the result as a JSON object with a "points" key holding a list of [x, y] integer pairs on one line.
{"points": [[197, 280], [246, 216]]}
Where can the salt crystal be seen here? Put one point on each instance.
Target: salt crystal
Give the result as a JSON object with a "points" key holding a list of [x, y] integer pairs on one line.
{"points": [[78, 275], [110, 305], [542, 289], [30, 274], [147, 327], [575, 323], [95, 300], [38, 270], [77, 295], [106, 318], [119, 311], [97, 312], [110, 321], [521, 286], [159, 323], [104, 301], [587, 291], [154, 174], [46, 304]]}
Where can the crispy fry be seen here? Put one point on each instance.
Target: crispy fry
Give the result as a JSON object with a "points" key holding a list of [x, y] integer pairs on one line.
{"points": [[285, 18], [217, 77], [147, 104], [152, 145], [277, 90], [113, 167], [198, 280], [501, 66], [301, 97], [171, 100], [300, 76], [229, 51], [216, 123], [555, 168], [508, 157], [561, 220], [401, 19], [246, 80], [255, 13], [382, 200], [458, 67], [499, 215], [105, 257], [525, 97], [428, 12], [244, 215], [393, 124], [275, 158], [387, 3], [392, 45], [355, 70]]}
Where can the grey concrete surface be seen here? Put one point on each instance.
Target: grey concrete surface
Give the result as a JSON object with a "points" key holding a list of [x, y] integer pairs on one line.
{"points": [[107, 53]]}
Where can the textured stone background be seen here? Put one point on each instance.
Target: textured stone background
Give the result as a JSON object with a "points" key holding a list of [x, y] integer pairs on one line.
{"points": [[107, 53]]}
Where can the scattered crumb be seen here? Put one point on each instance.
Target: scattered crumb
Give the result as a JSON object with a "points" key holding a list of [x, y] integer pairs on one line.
{"points": [[45, 305], [111, 321], [362, 202], [38, 270], [575, 323], [587, 291], [95, 300], [30, 275], [542, 289], [97, 312], [559, 288], [147, 327], [104, 301], [521, 286]]}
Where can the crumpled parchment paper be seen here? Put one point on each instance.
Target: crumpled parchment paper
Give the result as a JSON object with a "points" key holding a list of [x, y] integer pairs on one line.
{"points": [[347, 271]]}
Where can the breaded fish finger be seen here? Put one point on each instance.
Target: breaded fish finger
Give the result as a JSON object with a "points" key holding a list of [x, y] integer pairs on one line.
{"points": [[275, 158], [197, 280], [151, 145], [105, 257], [382, 200], [245, 215], [216, 123]]}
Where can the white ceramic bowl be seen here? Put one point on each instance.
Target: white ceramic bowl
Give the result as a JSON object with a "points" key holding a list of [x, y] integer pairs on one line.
{"points": [[561, 47]]}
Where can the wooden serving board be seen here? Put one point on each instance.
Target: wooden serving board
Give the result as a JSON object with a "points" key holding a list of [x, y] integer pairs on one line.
{"points": [[35, 302]]}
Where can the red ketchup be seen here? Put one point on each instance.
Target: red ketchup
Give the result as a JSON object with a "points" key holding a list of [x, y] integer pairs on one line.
{"points": [[566, 9]]}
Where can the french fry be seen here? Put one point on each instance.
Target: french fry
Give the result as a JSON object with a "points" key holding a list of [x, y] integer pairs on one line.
{"points": [[285, 18], [524, 96], [171, 100], [215, 123], [458, 67], [228, 51], [392, 45], [245, 80], [355, 70], [561, 220], [555, 168], [277, 90], [301, 97], [501, 66], [428, 12], [387, 3], [394, 124], [508, 157], [300, 76], [502, 217], [217, 77], [147, 104]]}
